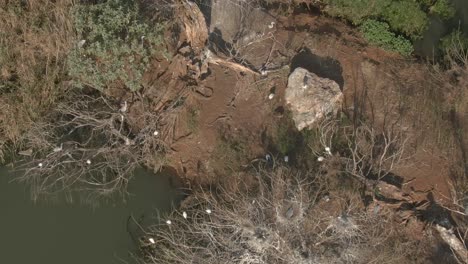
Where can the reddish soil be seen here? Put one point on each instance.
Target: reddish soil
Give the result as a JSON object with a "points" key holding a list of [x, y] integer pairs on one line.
{"points": [[231, 104]]}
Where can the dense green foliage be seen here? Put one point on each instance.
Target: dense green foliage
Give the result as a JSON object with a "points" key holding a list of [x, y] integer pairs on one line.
{"points": [[356, 11], [443, 9], [115, 45], [378, 33], [406, 17]]}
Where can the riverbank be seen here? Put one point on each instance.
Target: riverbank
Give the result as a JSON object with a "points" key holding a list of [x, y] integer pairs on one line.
{"points": [[211, 104]]}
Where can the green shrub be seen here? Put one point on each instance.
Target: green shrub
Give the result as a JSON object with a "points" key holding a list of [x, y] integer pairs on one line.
{"points": [[407, 18], [356, 11], [444, 9], [378, 33], [426, 3], [117, 45]]}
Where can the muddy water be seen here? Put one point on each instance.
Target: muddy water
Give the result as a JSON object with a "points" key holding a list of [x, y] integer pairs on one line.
{"points": [[61, 233]]}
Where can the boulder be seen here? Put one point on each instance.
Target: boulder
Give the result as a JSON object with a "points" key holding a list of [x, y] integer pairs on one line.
{"points": [[311, 98], [239, 29], [238, 21]]}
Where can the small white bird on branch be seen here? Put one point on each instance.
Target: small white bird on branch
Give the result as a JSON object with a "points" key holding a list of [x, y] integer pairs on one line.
{"points": [[58, 149], [124, 107]]}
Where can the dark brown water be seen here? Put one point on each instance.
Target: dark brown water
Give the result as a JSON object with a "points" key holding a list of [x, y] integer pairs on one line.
{"points": [[57, 232]]}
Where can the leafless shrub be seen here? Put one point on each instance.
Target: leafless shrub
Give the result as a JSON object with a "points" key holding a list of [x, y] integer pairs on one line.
{"points": [[284, 218], [366, 154], [86, 145], [373, 153]]}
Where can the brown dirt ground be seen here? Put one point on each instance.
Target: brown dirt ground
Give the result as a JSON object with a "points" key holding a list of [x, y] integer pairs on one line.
{"points": [[231, 104]]}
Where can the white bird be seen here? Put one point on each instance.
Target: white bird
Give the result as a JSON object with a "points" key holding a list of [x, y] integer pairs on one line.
{"points": [[328, 151], [58, 149], [184, 215], [271, 96], [40, 165], [151, 240], [272, 24], [168, 222], [124, 107], [156, 133], [88, 162], [81, 43], [208, 211], [320, 159]]}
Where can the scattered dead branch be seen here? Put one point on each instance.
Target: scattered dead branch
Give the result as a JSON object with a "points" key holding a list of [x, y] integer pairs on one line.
{"points": [[279, 220], [86, 145]]}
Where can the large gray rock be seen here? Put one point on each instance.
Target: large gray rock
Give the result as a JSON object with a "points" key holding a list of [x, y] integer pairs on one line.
{"points": [[238, 21], [239, 29], [311, 98]]}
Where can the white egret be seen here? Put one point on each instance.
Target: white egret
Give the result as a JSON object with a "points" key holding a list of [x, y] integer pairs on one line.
{"points": [[40, 165], [208, 211], [58, 149], [272, 24], [328, 151], [320, 159], [271, 96], [169, 222], [88, 162], [124, 107], [184, 215], [81, 43], [156, 133], [151, 240]]}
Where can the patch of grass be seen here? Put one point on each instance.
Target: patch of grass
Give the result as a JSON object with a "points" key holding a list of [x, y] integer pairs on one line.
{"points": [[286, 138], [35, 37], [115, 45], [230, 154]]}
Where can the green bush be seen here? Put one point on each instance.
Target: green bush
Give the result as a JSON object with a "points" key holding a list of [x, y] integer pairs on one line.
{"points": [[378, 33], [444, 9], [407, 18], [426, 3], [115, 45], [356, 11]]}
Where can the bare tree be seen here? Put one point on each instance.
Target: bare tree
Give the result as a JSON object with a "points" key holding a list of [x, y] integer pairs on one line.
{"points": [[86, 144], [283, 218]]}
